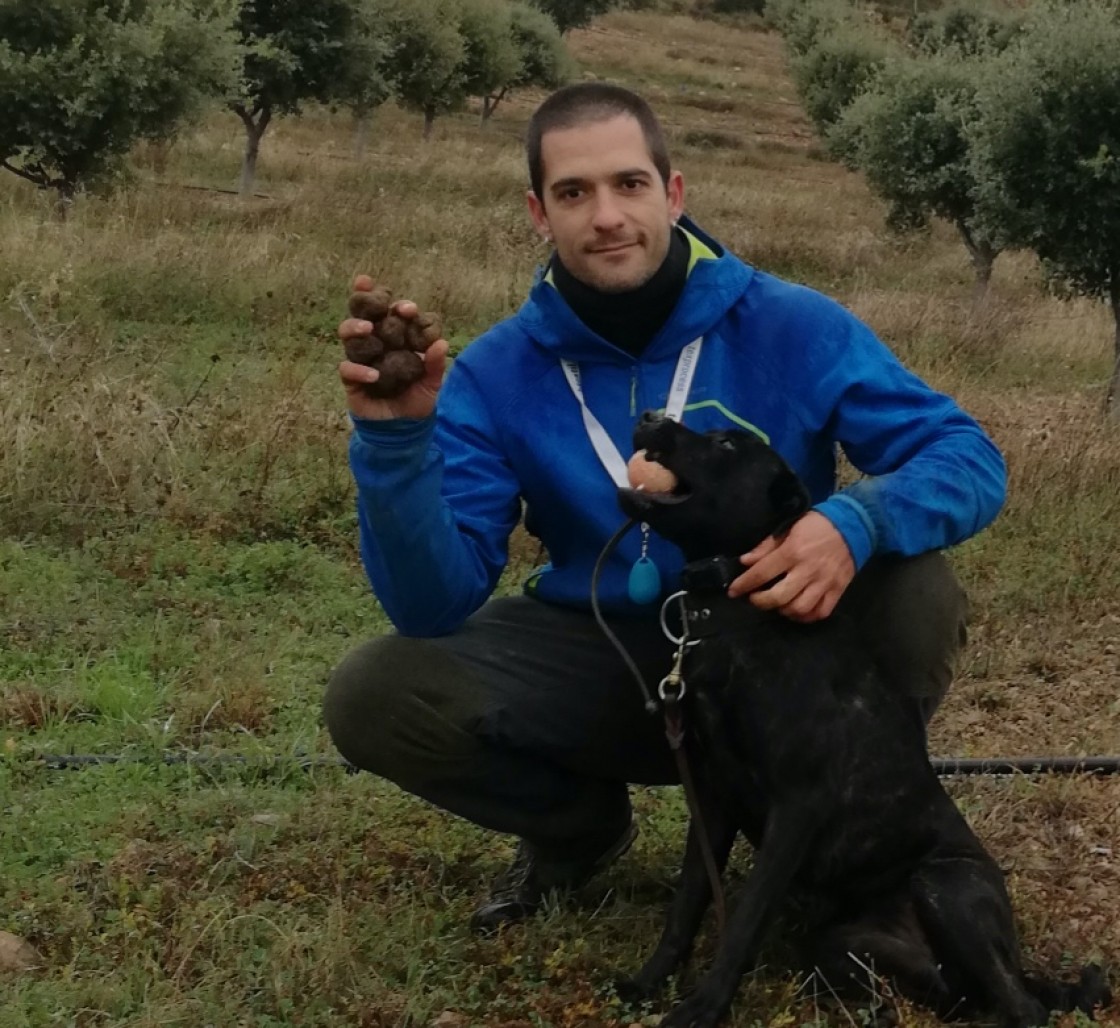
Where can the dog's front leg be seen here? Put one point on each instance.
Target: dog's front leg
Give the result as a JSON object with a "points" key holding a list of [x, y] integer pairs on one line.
{"points": [[790, 830], [691, 899]]}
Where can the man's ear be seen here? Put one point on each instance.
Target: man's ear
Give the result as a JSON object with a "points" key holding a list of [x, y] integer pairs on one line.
{"points": [[674, 190], [536, 212], [789, 499]]}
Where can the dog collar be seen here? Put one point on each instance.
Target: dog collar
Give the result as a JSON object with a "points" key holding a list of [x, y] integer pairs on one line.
{"points": [[705, 605]]}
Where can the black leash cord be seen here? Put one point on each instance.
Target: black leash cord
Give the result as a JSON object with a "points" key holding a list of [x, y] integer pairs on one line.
{"points": [[596, 574]]}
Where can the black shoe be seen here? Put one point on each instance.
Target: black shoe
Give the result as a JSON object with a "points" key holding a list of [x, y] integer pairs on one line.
{"points": [[519, 891]]}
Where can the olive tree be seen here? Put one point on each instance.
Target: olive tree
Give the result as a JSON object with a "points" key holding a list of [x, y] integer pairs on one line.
{"points": [[802, 23], [906, 133], [964, 28], [839, 66], [543, 60], [491, 58], [82, 81], [1046, 151], [425, 60], [574, 14], [294, 53]]}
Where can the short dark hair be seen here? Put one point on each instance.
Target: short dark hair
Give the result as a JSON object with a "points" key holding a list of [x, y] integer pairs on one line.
{"points": [[584, 103]]}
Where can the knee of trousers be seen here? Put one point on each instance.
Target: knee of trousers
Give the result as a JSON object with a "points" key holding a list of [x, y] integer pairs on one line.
{"points": [[400, 707], [916, 617]]}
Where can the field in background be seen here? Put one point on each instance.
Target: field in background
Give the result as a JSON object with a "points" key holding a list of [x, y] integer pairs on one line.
{"points": [[178, 567]]}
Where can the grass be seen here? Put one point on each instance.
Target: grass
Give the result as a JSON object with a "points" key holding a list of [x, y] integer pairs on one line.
{"points": [[178, 568]]}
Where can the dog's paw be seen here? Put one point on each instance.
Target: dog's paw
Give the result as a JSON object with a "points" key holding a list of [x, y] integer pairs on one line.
{"points": [[1092, 990], [698, 1011], [636, 989]]}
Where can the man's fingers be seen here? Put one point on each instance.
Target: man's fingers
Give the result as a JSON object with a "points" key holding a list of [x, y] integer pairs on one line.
{"points": [[768, 545], [405, 308], [362, 284], [435, 357], [805, 606], [779, 595], [766, 569], [353, 374], [355, 328]]}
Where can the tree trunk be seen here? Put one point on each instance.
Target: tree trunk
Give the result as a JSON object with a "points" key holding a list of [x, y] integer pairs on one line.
{"points": [[983, 256], [63, 198], [1112, 399], [254, 132], [490, 103], [429, 121], [361, 133]]}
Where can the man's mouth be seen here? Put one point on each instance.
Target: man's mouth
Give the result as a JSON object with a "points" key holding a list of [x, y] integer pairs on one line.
{"points": [[615, 248]]}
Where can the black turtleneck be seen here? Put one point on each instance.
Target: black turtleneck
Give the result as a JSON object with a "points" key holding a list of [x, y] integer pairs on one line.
{"points": [[629, 320]]}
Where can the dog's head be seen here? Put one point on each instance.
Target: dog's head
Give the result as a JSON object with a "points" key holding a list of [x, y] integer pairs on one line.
{"points": [[732, 489]]}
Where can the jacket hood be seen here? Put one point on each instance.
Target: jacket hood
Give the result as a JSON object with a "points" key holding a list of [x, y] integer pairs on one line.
{"points": [[716, 281]]}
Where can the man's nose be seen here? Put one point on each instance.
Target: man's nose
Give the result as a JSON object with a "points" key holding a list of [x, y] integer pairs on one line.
{"points": [[608, 212]]}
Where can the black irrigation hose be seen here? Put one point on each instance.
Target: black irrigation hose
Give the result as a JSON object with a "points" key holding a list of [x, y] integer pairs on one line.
{"points": [[945, 766], [1026, 765]]}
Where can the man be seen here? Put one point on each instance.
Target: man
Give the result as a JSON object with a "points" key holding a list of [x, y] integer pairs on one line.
{"points": [[516, 713]]}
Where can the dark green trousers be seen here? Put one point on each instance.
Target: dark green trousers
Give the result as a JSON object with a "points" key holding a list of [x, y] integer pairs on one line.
{"points": [[526, 720]]}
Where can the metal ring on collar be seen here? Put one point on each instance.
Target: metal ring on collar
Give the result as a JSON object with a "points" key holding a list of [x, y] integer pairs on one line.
{"points": [[683, 639]]}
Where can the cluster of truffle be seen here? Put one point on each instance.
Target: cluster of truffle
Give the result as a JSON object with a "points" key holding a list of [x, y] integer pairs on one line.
{"points": [[395, 346]]}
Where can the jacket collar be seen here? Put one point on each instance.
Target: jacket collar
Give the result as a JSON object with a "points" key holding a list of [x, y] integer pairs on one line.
{"points": [[716, 280]]}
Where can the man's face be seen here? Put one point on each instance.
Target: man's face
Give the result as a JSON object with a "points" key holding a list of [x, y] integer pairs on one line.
{"points": [[604, 205]]}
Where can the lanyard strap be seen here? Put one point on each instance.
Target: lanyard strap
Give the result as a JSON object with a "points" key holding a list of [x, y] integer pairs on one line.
{"points": [[604, 446]]}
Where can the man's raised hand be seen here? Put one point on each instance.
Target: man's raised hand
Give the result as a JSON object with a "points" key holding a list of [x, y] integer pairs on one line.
{"points": [[418, 399]]}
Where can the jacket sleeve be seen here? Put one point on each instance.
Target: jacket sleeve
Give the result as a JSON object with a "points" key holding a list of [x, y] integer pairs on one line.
{"points": [[933, 476], [437, 502]]}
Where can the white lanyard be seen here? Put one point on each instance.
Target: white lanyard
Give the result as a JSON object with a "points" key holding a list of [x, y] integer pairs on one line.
{"points": [[605, 448]]}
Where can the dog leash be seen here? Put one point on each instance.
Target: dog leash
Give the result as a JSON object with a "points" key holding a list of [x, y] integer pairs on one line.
{"points": [[671, 691]]}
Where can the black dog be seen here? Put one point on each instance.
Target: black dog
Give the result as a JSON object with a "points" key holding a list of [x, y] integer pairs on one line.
{"points": [[798, 741]]}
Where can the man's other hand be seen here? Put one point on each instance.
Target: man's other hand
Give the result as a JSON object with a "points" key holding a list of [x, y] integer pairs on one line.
{"points": [[812, 566]]}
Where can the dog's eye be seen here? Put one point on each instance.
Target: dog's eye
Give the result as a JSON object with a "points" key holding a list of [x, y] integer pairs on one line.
{"points": [[727, 444]]}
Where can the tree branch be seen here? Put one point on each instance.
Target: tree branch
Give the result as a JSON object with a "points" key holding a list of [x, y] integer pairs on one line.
{"points": [[38, 177], [245, 116]]}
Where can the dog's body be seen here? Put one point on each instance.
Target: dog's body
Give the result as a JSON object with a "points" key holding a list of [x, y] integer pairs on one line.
{"points": [[799, 741]]}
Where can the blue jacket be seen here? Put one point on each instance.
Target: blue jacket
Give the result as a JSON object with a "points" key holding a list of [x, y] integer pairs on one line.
{"points": [[439, 497]]}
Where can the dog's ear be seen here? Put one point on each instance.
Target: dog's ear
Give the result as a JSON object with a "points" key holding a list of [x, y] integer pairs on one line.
{"points": [[789, 499]]}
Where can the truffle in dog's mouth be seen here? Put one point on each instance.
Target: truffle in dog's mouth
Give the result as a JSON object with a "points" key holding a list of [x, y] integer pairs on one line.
{"points": [[652, 481]]}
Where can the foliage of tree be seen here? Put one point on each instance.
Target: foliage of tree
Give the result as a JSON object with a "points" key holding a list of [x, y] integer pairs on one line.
{"points": [[1046, 151], [543, 60], [574, 14], [425, 60], [964, 28], [491, 56], [81, 81], [802, 23], [832, 73], [294, 53], [907, 135]]}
